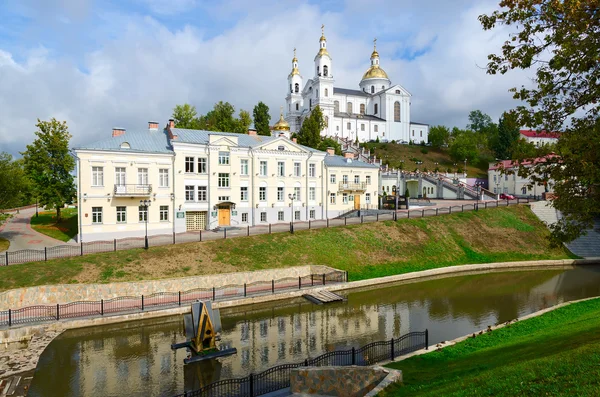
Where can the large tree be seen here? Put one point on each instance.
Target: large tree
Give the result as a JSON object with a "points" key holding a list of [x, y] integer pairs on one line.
{"points": [[185, 116], [49, 164], [508, 134], [439, 136], [15, 188], [310, 132], [560, 41], [262, 119], [464, 146]]}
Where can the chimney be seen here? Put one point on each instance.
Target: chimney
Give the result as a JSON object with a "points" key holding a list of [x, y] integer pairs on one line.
{"points": [[251, 131], [348, 155], [153, 125], [171, 123], [294, 140], [330, 151], [118, 131]]}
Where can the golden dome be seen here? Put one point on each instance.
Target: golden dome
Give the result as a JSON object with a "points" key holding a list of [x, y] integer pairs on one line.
{"points": [[375, 72], [323, 51], [295, 71], [281, 125], [374, 54]]}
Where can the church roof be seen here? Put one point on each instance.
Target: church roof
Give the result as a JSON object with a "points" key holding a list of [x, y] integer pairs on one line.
{"points": [[339, 161], [345, 91], [358, 116], [412, 122]]}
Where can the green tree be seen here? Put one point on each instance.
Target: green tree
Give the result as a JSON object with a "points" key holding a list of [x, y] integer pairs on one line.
{"points": [[185, 116], [560, 41], [49, 164], [15, 187], [508, 134], [242, 123], [310, 132], [479, 122], [464, 146], [329, 142], [439, 136], [262, 119]]}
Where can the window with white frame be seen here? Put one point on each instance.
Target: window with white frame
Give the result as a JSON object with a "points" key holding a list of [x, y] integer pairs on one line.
{"points": [[164, 213], [506, 177], [312, 170], [311, 214], [263, 168], [280, 216], [97, 176], [142, 176], [244, 193], [368, 198], [244, 217], [344, 179], [163, 177], [121, 214], [505, 189], [202, 167], [332, 198], [345, 198], [262, 193], [356, 178], [223, 198], [189, 193], [297, 215], [351, 197], [312, 193], [349, 126], [120, 176], [223, 180], [332, 178], [376, 128], [143, 213], [297, 169], [263, 216], [96, 215], [280, 193], [223, 158], [362, 126], [280, 168], [244, 167], [495, 190], [495, 178], [189, 164], [368, 179], [202, 193], [297, 192]]}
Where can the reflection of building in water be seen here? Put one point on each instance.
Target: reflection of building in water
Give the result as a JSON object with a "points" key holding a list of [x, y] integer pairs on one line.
{"points": [[266, 341]]}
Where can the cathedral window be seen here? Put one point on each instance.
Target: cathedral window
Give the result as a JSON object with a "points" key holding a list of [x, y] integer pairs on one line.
{"points": [[376, 108], [372, 89], [336, 106], [383, 87], [362, 108], [397, 111], [349, 126], [297, 106], [376, 128], [296, 88], [397, 91], [326, 92], [325, 70], [349, 107], [362, 127]]}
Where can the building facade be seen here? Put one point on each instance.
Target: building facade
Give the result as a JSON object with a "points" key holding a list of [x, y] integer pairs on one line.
{"points": [[540, 138], [378, 110], [503, 178], [200, 180]]}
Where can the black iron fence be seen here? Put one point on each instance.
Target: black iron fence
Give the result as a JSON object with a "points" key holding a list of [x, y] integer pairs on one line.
{"points": [[159, 300], [277, 378], [94, 247]]}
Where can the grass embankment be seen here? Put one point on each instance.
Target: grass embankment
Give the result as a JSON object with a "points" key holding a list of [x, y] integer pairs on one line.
{"points": [[556, 354], [365, 251], [64, 230], [4, 243], [406, 156]]}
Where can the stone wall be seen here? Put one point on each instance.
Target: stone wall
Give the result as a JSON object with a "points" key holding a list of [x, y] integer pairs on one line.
{"points": [[65, 293], [336, 381]]}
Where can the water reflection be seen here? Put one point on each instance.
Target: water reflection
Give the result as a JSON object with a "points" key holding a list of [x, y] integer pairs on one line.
{"points": [[135, 359]]}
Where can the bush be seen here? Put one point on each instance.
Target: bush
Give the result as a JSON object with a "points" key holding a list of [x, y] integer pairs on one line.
{"points": [[424, 150]]}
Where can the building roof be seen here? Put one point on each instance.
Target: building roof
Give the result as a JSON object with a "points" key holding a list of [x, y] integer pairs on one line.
{"points": [[412, 122], [339, 161], [345, 91], [358, 116], [540, 134], [508, 164], [149, 141]]}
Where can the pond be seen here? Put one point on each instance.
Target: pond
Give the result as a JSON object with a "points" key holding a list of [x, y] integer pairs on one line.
{"points": [[135, 359]]}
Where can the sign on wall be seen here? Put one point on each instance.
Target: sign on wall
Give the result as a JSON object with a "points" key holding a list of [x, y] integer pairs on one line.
{"points": [[180, 215], [233, 213], [213, 213]]}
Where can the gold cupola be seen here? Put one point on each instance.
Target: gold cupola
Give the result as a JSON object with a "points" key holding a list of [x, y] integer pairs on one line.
{"points": [[295, 70], [281, 125], [375, 71], [323, 43]]}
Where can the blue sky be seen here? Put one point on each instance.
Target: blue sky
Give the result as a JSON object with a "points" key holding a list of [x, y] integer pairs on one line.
{"points": [[101, 63]]}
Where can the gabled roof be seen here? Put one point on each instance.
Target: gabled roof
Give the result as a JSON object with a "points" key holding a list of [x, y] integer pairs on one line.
{"points": [[540, 134], [508, 164], [345, 91], [339, 161], [149, 141]]}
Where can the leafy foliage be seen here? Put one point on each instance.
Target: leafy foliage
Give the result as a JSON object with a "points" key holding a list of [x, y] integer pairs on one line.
{"points": [[262, 119], [185, 116], [15, 186], [49, 164], [439, 136], [560, 40], [310, 132], [329, 142], [220, 118], [508, 134]]}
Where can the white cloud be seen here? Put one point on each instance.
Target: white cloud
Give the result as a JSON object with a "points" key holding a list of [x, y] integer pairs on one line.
{"points": [[145, 69]]}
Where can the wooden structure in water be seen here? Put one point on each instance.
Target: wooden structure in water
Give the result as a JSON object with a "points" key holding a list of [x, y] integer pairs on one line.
{"points": [[322, 297]]}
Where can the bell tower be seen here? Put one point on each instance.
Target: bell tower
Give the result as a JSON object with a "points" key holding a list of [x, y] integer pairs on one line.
{"points": [[293, 99]]}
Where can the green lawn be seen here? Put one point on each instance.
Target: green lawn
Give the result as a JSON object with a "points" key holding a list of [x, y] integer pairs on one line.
{"points": [[4, 244], [365, 251], [556, 354], [64, 230]]}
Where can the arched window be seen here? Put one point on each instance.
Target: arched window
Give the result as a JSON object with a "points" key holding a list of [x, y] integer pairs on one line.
{"points": [[318, 74], [325, 70], [375, 108], [296, 88], [349, 107], [383, 87], [316, 93], [326, 92], [291, 90], [362, 108], [397, 91], [372, 89], [297, 106], [397, 111], [336, 106]]}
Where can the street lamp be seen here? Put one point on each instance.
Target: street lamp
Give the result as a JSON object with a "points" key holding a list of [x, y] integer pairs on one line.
{"points": [[465, 168], [145, 204], [36, 207], [292, 197], [478, 185]]}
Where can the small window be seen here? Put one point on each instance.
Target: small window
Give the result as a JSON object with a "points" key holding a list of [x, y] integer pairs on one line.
{"points": [[202, 165], [312, 193], [97, 176], [362, 126], [223, 158], [280, 193], [297, 192], [296, 88], [349, 107], [332, 198], [332, 178], [263, 168], [244, 193], [280, 216], [202, 193], [368, 179], [125, 145], [263, 216], [356, 178], [397, 91], [344, 179], [164, 213], [349, 126], [372, 89], [297, 215], [244, 167], [189, 164], [326, 90], [376, 128], [297, 106], [223, 180], [376, 108], [325, 71], [312, 170], [368, 198], [96, 215], [345, 198], [223, 198], [396, 111], [262, 193], [362, 108], [280, 168], [336, 106], [311, 214], [244, 217], [143, 213], [189, 193], [121, 214], [297, 169], [163, 177], [281, 148]]}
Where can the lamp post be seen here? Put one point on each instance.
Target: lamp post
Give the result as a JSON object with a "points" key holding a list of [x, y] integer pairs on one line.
{"points": [[145, 204], [36, 207], [292, 197], [465, 168], [478, 185]]}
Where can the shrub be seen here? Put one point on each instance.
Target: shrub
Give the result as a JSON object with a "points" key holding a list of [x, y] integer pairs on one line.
{"points": [[424, 150]]}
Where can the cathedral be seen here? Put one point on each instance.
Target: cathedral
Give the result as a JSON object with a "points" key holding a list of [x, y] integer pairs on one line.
{"points": [[379, 109]]}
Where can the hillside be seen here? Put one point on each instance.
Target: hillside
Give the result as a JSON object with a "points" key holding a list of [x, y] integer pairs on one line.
{"points": [[395, 154], [365, 251]]}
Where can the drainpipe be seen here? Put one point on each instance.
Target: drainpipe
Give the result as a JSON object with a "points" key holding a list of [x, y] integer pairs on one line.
{"points": [[324, 184], [207, 149], [252, 209], [79, 202], [173, 190], [307, 188]]}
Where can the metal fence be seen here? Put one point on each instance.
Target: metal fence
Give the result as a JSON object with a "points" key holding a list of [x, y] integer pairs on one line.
{"points": [[159, 300], [277, 378], [94, 247]]}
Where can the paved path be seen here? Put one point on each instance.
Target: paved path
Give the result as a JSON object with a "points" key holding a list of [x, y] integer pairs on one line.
{"points": [[21, 236], [587, 246]]}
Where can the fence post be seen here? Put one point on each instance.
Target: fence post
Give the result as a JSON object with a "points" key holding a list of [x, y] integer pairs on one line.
{"points": [[200, 235], [9, 317], [173, 237], [45, 253], [437, 212], [299, 282], [395, 216], [463, 208], [422, 213], [57, 312], [323, 278], [248, 232], [214, 293], [81, 250], [327, 222], [392, 350], [408, 212], [346, 275], [362, 218], [309, 224], [224, 234], [426, 339], [485, 205], [377, 216], [273, 286], [102, 307], [345, 221], [353, 356], [142, 302], [6, 258], [312, 279], [244, 289], [251, 378], [179, 298], [450, 209], [269, 228], [115, 245]]}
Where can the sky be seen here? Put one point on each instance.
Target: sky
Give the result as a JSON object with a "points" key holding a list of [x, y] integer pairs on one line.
{"points": [[100, 64]]}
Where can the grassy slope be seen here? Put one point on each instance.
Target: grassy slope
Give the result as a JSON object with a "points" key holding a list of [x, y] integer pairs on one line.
{"points": [[556, 354], [365, 251], [4, 243], [64, 230], [395, 152]]}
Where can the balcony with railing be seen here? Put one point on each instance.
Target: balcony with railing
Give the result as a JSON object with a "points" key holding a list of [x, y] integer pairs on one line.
{"points": [[136, 190], [359, 187]]}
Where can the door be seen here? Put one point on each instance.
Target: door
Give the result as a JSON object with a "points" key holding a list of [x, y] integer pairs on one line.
{"points": [[120, 179], [224, 217], [357, 201], [195, 220]]}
